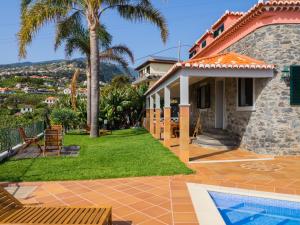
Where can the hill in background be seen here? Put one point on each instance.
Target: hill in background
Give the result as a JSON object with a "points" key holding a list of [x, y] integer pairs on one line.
{"points": [[62, 68]]}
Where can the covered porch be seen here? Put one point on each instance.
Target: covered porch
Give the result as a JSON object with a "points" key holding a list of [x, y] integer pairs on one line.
{"points": [[217, 92]]}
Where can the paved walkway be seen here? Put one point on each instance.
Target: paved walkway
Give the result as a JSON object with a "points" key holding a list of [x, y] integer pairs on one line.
{"points": [[165, 200]]}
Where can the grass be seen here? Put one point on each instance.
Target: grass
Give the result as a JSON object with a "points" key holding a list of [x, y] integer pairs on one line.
{"points": [[125, 153]]}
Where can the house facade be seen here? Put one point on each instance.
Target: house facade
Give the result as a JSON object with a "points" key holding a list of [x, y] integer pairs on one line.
{"points": [[51, 100], [243, 76], [26, 109], [153, 69]]}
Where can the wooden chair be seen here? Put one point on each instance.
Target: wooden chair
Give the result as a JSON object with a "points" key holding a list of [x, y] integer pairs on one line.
{"points": [[175, 129], [58, 127], [52, 141], [28, 140], [14, 212]]}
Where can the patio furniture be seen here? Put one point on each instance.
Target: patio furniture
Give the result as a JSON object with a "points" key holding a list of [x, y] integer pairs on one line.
{"points": [[14, 212], [57, 127], [53, 141], [28, 140], [175, 129]]}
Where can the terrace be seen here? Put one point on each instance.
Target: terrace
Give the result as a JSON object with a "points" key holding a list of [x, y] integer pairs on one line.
{"points": [[145, 182]]}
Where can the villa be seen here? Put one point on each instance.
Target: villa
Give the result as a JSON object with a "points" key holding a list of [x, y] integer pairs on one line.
{"points": [[51, 100], [153, 69], [26, 109], [243, 77]]}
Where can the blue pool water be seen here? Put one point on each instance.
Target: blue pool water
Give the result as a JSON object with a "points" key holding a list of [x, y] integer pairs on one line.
{"points": [[246, 210]]}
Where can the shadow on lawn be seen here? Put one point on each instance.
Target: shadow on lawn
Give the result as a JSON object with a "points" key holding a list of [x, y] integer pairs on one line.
{"points": [[16, 179]]}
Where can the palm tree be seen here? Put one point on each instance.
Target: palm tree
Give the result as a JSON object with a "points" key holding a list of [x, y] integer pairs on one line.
{"points": [[36, 13], [76, 37]]}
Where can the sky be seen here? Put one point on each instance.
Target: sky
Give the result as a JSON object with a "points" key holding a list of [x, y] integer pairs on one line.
{"points": [[187, 21]]}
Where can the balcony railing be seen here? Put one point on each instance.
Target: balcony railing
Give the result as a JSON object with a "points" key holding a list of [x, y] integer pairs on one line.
{"points": [[10, 137]]}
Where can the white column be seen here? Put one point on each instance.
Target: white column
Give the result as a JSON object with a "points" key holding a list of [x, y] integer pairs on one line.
{"points": [[157, 101], [184, 122], [167, 97], [148, 103], [157, 116], [184, 90], [151, 115], [151, 102], [167, 117]]}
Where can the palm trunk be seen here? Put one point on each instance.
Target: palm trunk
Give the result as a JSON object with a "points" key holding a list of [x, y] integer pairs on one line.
{"points": [[88, 103], [94, 83]]}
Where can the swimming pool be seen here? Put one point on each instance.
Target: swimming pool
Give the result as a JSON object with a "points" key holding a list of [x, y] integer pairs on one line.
{"points": [[248, 210]]}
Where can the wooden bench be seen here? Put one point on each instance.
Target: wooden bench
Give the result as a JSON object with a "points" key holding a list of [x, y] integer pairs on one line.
{"points": [[14, 212]]}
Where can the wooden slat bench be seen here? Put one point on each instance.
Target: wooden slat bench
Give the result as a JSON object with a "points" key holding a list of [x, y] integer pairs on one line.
{"points": [[14, 212]]}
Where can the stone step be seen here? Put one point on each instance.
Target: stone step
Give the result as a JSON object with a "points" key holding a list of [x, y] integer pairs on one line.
{"points": [[216, 142], [222, 147], [216, 138]]}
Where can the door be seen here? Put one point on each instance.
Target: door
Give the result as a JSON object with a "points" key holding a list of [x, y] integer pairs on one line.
{"points": [[220, 104]]}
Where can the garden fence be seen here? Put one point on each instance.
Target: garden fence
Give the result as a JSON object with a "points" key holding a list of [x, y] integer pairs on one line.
{"points": [[10, 137]]}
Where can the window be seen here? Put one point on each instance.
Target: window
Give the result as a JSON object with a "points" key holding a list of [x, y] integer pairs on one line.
{"points": [[245, 93], [148, 69], [295, 85], [192, 54], [203, 44], [219, 31], [203, 97]]}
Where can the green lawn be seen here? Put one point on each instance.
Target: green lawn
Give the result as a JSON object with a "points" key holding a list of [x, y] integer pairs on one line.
{"points": [[125, 153]]}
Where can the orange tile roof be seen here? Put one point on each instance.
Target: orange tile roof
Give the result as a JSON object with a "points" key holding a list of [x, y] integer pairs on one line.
{"points": [[227, 60]]}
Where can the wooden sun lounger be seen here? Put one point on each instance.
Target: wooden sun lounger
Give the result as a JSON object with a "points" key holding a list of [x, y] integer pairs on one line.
{"points": [[14, 212]]}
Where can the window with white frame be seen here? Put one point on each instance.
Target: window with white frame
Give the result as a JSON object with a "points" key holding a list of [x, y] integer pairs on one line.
{"points": [[245, 95]]}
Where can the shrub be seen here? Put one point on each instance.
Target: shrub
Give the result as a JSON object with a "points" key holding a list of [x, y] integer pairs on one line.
{"points": [[65, 117]]}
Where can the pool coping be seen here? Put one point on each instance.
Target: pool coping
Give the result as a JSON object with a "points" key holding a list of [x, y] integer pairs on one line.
{"points": [[206, 210]]}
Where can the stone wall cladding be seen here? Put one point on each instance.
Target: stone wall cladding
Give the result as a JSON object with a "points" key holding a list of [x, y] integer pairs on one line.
{"points": [[274, 127]]}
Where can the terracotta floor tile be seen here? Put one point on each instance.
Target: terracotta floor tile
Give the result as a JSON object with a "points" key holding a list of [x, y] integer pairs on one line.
{"points": [[183, 207], [144, 195], [153, 222], [141, 205], [166, 218], [137, 217], [185, 218], [157, 200], [155, 211], [123, 211]]}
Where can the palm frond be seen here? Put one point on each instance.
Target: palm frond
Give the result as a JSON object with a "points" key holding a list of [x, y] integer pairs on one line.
{"points": [[104, 37], [77, 43], [121, 50], [66, 27], [117, 54], [145, 11], [35, 16], [109, 57]]}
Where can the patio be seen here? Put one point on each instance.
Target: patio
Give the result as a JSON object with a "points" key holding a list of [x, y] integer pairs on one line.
{"points": [[165, 200]]}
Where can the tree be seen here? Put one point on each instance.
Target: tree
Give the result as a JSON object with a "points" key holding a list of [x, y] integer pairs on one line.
{"points": [[36, 13], [121, 104], [65, 117], [76, 37]]}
